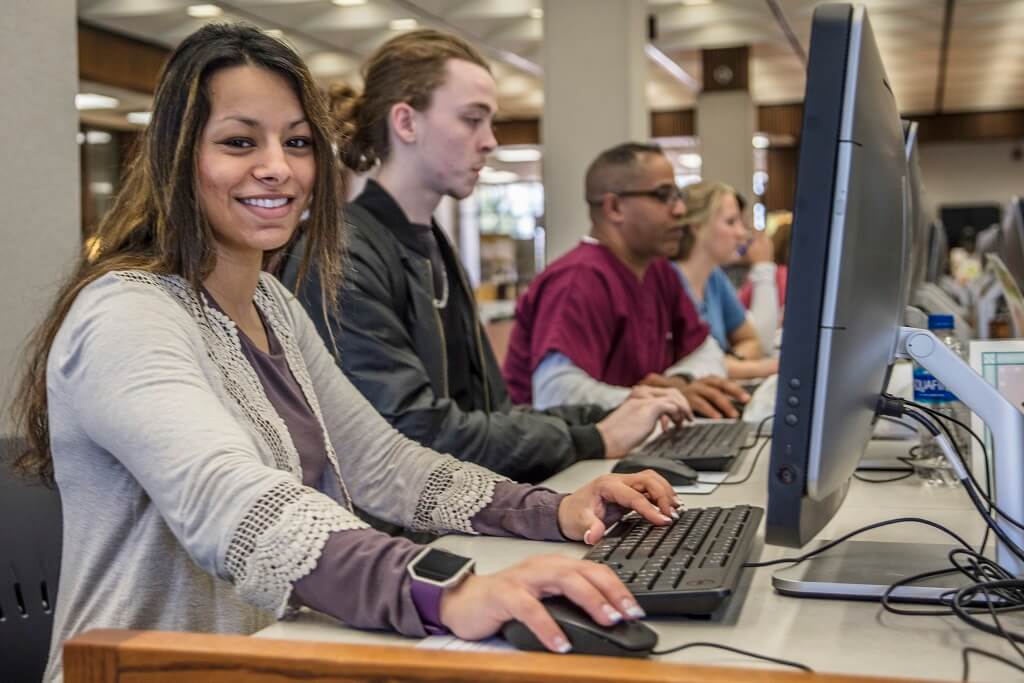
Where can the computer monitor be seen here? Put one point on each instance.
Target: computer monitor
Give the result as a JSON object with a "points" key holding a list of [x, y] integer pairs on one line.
{"points": [[938, 251], [847, 258], [1012, 243], [918, 214]]}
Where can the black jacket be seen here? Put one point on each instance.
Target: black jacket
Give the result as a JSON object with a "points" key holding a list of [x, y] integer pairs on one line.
{"points": [[391, 345]]}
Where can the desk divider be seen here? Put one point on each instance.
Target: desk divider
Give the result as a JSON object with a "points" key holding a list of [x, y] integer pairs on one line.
{"points": [[109, 656]]}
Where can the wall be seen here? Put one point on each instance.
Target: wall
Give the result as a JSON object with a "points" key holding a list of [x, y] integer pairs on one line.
{"points": [[40, 228], [971, 172]]}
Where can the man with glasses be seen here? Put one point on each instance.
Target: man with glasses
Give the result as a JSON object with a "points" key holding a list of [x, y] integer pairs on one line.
{"points": [[611, 314]]}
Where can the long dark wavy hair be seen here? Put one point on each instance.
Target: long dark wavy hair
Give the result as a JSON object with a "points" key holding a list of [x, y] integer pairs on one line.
{"points": [[156, 223]]}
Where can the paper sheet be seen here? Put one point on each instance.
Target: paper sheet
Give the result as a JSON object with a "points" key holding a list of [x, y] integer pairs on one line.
{"points": [[451, 643], [706, 483]]}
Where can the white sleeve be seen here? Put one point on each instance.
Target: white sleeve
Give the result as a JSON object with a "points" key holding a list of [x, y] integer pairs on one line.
{"points": [[764, 305], [557, 382], [706, 359]]}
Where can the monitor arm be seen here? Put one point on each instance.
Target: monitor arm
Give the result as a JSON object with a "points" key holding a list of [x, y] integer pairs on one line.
{"points": [[1004, 420]]}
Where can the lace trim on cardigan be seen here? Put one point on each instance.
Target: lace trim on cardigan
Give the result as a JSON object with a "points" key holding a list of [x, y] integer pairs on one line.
{"points": [[283, 331], [454, 492], [240, 381], [280, 540]]}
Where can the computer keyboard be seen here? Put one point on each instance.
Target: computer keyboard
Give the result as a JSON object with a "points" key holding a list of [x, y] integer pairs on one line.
{"points": [[706, 446], [686, 568]]}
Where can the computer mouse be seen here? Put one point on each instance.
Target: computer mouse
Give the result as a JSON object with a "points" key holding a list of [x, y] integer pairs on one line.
{"points": [[587, 637], [675, 472]]}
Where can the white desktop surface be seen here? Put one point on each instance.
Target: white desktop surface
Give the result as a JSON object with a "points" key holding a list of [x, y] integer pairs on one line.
{"points": [[828, 635]]}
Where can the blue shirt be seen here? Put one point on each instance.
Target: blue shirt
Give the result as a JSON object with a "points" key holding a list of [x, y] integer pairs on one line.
{"points": [[721, 308]]}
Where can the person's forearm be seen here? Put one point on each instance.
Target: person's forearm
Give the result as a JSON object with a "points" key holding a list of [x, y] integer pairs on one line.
{"points": [[747, 349], [561, 383], [706, 359], [764, 306]]}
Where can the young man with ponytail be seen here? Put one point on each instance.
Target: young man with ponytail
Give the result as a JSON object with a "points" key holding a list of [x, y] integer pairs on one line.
{"points": [[408, 334]]}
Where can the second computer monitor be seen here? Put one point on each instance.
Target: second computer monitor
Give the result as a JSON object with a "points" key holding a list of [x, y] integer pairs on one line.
{"points": [[844, 297]]}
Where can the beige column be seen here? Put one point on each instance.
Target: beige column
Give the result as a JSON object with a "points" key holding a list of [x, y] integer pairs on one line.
{"points": [[594, 77], [726, 119], [39, 192]]}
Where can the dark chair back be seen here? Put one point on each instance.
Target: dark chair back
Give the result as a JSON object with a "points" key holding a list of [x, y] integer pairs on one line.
{"points": [[30, 547]]}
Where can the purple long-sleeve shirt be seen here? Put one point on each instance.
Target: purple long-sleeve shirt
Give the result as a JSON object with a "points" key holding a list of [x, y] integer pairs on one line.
{"points": [[361, 575]]}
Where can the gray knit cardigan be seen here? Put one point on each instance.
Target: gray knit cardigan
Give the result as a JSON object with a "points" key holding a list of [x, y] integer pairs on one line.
{"points": [[184, 507]]}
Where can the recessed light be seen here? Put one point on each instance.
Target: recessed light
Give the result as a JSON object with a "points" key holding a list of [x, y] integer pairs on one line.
{"points": [[760, 141], [204, 11], [98, 137], [517, 154], [536, 12], [402, 24], [348, 3], [140, 117], [690, 160], [88, 100]]}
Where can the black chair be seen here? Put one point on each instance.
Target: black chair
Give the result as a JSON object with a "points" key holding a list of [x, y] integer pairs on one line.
{"points": [[30, 549]]}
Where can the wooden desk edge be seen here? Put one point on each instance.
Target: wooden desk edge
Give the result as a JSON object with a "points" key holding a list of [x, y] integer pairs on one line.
{"points": [[106, 656]]}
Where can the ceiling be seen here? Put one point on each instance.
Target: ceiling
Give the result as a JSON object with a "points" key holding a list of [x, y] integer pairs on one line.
{"points": [[985, 47]]}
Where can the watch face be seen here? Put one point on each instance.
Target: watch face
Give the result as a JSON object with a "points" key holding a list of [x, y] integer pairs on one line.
{"points": [[437, 565]]}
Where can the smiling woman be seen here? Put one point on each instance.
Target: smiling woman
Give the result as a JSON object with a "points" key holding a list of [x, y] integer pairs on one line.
{"points": [[209, 452]]}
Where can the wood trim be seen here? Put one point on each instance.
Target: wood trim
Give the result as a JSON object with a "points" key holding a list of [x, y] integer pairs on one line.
{"points": [[735, 59], [781, 119], [670, 124], [517, 131], [108, 656], [113, 59], [970, 126]]}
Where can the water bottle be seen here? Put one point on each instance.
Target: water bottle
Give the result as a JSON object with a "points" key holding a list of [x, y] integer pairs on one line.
{"points": [[931, 463]]}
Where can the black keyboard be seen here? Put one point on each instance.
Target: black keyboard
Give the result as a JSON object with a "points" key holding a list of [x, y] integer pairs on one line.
{"points": [[706, 446], [687, 568]]}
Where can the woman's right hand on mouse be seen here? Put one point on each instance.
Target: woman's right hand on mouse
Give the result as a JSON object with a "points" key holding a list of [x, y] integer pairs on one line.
{"points": [[479, 606]]}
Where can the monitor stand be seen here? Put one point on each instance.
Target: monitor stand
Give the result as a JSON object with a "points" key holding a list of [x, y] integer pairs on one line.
{"points": [[863, 570]]}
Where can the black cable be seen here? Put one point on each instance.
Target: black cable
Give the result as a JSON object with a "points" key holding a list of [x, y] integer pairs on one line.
{"points": [[750, 471], [984, 451], [846, 537], [729, 648], [985, 653], [906, 474], [977, 496]]}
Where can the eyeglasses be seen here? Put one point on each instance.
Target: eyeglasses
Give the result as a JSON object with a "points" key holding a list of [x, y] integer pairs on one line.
{"points": [[666, 194]]}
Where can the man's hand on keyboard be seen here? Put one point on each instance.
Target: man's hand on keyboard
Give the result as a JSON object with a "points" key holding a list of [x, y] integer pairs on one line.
{"points": [[583, 515], [709, 396], [627, 426]]}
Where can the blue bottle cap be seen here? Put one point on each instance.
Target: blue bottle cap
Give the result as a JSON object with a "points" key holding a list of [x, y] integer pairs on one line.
{"points": [[940, 321]]}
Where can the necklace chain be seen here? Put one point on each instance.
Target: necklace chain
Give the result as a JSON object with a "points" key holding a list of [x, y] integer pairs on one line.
{"points": [[443, 301]]}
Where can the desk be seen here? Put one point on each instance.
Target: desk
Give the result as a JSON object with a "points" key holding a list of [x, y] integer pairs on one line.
{"points": [[828, 635]]}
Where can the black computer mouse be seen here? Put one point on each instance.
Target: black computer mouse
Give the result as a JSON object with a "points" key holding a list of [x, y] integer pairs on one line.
{"points": [[587, 637], [675, 472]]}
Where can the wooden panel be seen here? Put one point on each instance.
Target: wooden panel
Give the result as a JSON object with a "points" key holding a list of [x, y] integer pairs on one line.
{"points": [[781, 119], [113, 59], [107, 656], [729, 61], [517, 131], [989, 125], [669, 124], [781, 190]]}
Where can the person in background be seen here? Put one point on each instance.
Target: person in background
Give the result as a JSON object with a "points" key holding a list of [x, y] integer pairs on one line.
{"points": [[212, 487], [713, 232], [764, 292], [611, 315], [408, 332]]}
